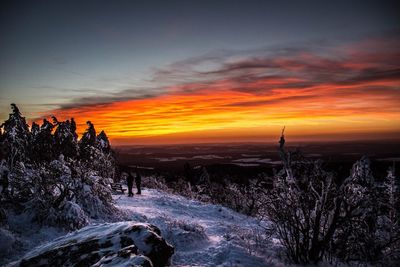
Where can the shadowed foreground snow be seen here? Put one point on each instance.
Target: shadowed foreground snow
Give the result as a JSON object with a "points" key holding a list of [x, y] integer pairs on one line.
{"points": [[202, 234]]}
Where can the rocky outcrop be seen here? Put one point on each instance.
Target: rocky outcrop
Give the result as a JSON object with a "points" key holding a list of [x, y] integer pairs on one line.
{"points": [[123, 244]]}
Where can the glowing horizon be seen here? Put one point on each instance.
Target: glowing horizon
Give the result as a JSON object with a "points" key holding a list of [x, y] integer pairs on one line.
{"points": [[345, 94]]}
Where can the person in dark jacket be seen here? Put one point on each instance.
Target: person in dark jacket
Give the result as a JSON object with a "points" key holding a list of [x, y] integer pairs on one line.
{"points": [[138, 181], [129, 181]]}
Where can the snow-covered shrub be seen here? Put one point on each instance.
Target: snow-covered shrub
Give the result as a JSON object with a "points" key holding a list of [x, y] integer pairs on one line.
{"points": [[42, 144], [94, 197], [55, 180], [72, 215], [184, 235], [15, 137], [304, 208], [156, 182], [252, 239], [356, 237], [239, 197], [389, 223], [234, 197], [374, 234], [65, 139], [315, 214], [182, 187]]}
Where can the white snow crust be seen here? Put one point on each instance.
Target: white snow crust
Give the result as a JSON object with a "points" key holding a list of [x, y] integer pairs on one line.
{"points": [[203, 234]]}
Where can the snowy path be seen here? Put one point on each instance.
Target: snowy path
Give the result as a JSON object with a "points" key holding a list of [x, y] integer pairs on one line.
{"points": [[203, 234]]}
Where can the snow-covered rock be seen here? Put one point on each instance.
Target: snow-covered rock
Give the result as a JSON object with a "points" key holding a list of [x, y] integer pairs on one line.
{"points": [[110, 244]]}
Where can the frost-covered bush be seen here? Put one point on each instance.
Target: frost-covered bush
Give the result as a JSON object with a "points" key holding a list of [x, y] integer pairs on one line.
{"points": [[374, 234], [73, 215], [252, 239], [56, 189], [304, 208], [15, 137], [156, 182], [183, 234], [65, 139], [53, 177], [94, 195], [102, 163], [315, 215]]}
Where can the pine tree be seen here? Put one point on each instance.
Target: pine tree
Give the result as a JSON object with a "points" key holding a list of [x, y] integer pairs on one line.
{"points": [[88, 142], [16, 136], [65, 140], [390, 219], [103, 143], [42, 143], [49, 178]]}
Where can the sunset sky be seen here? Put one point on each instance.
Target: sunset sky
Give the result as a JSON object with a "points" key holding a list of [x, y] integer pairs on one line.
{"points": [[159, 72]]}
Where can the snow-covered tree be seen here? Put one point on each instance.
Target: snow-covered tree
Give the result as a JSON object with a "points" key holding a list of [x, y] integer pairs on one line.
{"points": [[15, 137], [203, 185], [65, 141], [49, 178], [314, 214], [389, 218], [42, 142], [304, 208], [88, 140], [103, 143]]}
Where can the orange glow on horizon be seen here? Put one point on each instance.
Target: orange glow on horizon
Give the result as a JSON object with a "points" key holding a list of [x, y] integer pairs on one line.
{"points": [[234, 115], [351, 94]]}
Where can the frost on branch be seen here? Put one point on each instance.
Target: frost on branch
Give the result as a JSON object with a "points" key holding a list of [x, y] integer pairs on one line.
{"points": [[317, 216], [53, 177], [15, 137]]}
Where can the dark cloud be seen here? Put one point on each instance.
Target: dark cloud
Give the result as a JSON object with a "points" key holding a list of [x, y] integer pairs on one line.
{"points": [[262, 71], [272, 101], [370, 75], [107, 98]]}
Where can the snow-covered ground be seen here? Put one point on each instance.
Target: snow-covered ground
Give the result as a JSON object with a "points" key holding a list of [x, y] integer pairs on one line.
{"points": [[203, 234], [25, 237]]}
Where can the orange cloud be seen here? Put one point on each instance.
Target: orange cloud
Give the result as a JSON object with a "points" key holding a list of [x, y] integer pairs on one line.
{"points": [[250, 100]]}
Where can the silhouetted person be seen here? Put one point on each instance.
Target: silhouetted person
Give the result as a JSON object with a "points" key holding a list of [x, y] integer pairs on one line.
{"points": [[5, 182], [129, 181], [138, 181]]}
